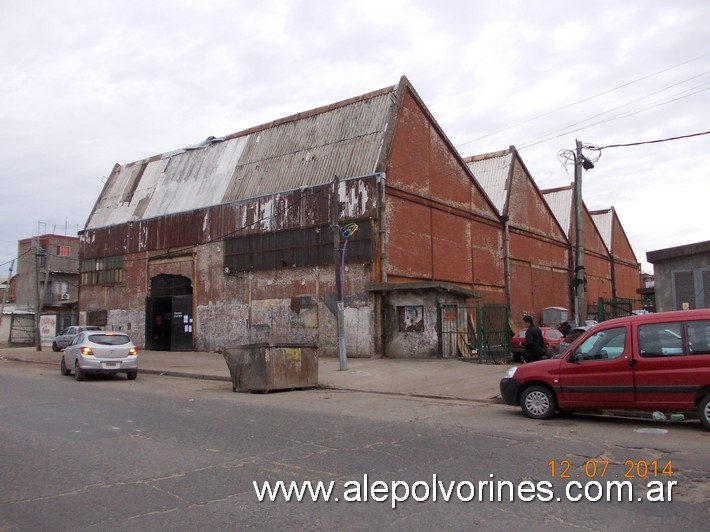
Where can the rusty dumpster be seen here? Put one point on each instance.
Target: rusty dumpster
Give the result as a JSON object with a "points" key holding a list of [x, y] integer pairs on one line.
{"points": [[264, 367]]}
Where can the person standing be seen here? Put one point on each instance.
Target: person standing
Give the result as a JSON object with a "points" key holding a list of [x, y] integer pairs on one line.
{"points": [[533, 341]]}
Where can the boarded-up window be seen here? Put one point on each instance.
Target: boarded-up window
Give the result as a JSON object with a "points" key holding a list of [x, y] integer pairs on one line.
{"points": [[294, 248]]}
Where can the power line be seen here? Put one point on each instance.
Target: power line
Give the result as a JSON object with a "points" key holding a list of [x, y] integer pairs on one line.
{"points": [[566, 131], [654, 141], [585, 99]]}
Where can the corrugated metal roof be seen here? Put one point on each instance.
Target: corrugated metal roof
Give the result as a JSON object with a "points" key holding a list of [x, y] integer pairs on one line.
{"points": [[308, 149], [492, 174], [560, 202], [604, 220]]}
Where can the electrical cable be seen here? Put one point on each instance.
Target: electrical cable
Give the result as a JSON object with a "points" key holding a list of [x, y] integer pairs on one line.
{"points": [[588, 98]]}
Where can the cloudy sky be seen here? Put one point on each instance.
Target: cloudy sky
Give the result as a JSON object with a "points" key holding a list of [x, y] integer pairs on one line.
{"points": [[87, 84]]}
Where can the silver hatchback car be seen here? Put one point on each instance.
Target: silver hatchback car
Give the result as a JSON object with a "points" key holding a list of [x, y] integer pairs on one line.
{"points": [[64, 338], [100, 352]]}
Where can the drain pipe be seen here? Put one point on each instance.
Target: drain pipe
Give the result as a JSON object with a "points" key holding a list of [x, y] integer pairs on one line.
{"points": [[506, 259], [381, 181]]}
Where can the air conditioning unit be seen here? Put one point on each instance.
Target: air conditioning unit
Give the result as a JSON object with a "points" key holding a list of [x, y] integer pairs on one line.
{"points": [[65, 296]]}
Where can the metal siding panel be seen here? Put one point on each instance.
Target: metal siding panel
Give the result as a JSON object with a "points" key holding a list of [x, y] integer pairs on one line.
{"points": [[603, 222], [344, 141], [560, 202], [492, 175]]}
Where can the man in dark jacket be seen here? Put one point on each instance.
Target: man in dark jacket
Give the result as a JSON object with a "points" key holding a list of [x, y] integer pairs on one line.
{"points": [[533, 341]]}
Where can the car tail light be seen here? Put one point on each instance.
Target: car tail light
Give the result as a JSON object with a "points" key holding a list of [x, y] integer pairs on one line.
{"points": [[86, 351], [133, 352]]}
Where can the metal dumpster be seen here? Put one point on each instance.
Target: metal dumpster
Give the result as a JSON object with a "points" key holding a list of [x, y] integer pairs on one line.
{"points": [[272, 366]]}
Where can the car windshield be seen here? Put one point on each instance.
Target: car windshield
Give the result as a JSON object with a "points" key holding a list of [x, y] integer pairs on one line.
{"points": [[109, 339]]}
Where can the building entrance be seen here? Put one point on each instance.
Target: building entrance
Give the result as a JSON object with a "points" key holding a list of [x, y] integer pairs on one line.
{"points": [[169, 313]]}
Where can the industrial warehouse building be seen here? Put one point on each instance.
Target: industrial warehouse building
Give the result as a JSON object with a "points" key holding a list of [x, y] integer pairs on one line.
{"points": [[256, 236]]}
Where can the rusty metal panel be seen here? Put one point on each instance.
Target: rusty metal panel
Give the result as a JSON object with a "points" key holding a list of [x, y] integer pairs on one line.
{"points": [[343, 141], [104, 242], [302, 151]]}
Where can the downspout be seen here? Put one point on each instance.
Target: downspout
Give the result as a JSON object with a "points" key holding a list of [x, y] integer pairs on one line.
{"points": [[381, 180], [506, 260], [380, 339]]}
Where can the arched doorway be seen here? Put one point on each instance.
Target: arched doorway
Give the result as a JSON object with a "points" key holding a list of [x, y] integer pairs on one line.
{"points": [[169, 313]]}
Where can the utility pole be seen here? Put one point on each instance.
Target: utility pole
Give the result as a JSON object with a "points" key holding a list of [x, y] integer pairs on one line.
{"points": [[580, 306], [335, 216], [38, 335], [7, 288]]}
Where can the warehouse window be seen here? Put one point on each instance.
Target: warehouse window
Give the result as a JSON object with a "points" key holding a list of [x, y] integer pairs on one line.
{"points": [[294, 248], [103, 270]]}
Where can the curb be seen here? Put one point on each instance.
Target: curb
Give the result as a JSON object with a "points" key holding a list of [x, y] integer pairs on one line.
{"points": [[199, 376]]}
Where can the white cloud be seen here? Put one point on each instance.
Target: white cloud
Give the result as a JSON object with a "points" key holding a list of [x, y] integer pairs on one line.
{"points": [[86, 84]]}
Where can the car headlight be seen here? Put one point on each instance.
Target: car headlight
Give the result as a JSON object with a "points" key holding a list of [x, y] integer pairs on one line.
{"points": [[511, 371]]}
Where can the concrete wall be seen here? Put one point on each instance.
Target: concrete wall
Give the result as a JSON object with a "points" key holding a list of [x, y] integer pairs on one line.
{"points": [[696, 261], [411, 322]]}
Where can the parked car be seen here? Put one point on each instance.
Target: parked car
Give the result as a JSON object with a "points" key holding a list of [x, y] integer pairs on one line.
{"points": [[100, 352], [64, 338], [572, 336], [652, 362], [550, 336]]}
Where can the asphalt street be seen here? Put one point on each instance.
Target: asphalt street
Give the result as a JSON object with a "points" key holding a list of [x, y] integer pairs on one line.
{"points": [[172, 453]]}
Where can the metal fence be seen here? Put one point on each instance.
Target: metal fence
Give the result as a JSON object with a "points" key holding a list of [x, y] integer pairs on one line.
{"points": [[480, 332], [616, 308]]}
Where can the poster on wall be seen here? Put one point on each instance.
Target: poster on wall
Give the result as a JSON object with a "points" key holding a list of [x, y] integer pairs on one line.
{"points": [[47, 328]]}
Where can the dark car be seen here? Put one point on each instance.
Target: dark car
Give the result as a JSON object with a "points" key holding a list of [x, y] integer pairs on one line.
{"points": [[551, 338]]}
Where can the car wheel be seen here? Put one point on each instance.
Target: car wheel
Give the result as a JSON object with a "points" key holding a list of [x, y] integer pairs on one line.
{"points": [[55, 347], [131, 375], [704, 411], [78, 372], [538, 402], [63, 367]]}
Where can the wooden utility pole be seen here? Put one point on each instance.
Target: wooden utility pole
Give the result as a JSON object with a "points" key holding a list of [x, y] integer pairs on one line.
{"points": [[580, 305]]}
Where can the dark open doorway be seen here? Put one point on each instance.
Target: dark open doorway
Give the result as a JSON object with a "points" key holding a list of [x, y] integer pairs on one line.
{"points": [[169, 313]]}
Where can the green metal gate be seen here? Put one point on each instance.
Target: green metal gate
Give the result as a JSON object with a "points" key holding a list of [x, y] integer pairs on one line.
{"points": [[480, 332], [493, 333], [616, 308]]}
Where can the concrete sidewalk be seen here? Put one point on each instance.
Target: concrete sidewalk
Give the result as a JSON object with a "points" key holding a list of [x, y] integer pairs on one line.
{"points": [[439, 378]]}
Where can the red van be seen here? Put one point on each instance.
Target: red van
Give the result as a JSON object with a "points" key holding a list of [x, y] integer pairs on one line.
{"points": [[652, 362]]}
